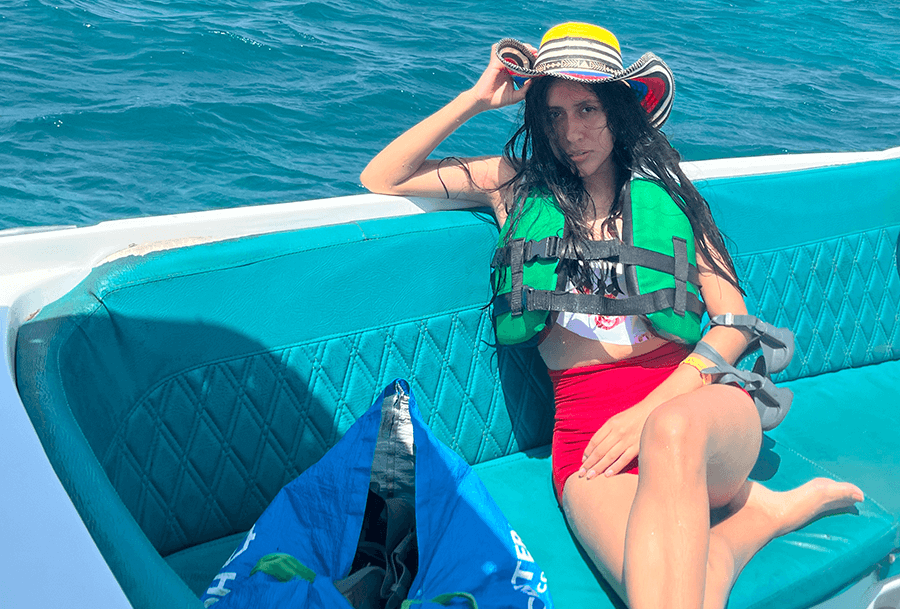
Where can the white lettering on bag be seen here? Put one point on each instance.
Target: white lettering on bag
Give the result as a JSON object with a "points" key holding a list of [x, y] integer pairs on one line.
{"points": [[251, 535], [223, 578], [542, 587], [522, 552], [220, 589], [522, 574]]}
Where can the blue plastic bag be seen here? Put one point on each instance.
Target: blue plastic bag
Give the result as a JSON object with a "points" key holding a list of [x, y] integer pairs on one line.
{"points": [[388, 477]]}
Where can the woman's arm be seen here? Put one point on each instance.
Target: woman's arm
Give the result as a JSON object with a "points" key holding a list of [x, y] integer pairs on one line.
{"points": [[403, 168], [617, 442], [721, 296]]}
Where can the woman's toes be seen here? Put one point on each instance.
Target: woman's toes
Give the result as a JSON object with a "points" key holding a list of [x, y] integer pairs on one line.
{"points": [[831, 494], [792, 509]]}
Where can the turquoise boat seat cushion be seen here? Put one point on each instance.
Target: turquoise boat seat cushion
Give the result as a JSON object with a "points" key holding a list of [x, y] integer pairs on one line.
{"points": [[816, 252], [846, 422], [176, 393], [805, 566]]}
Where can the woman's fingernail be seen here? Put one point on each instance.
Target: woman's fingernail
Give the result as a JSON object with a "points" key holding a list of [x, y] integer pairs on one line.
{"points": [[591, 474], [609, 473], [581, 473]]}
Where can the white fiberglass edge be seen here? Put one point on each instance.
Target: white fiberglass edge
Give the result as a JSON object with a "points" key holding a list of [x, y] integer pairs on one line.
{"points": [[23, 255], [780, 163], [51, 560]]}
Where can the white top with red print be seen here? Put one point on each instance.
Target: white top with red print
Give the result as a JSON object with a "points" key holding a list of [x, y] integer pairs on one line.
{"points": [[611, 329]]}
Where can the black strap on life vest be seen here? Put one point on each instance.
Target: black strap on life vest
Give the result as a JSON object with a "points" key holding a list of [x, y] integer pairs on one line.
{"points": [[680, 273], [609, 249], [525, 298], [777, 345], [545, 249], [595, 304], [517, 268]]}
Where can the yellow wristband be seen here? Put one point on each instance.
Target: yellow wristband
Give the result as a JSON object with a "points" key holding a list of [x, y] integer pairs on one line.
{"points": [[695, 362]]}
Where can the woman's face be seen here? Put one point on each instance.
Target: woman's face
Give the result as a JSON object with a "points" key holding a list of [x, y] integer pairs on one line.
{"points": [[578, 128]]}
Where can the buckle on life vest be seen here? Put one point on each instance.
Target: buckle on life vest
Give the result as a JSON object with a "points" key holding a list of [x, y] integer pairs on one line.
{"points": [[545, 248]]}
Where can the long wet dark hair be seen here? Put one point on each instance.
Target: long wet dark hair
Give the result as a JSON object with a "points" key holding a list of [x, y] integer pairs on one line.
{"points": [[639, 149]]}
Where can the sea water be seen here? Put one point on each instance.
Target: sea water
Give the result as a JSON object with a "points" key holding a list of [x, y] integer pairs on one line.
{"points": [[122, 108]]}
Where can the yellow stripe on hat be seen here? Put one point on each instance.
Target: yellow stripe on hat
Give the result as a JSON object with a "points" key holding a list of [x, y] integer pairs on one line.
{"points": [[582, 30]]}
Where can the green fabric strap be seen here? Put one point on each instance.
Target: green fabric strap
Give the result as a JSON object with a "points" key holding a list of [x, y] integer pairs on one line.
{"points": [[283, 567], [443, 599]]}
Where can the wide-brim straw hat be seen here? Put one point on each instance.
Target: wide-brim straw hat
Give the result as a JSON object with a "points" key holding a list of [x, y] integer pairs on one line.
{"points": [[588, 53]]}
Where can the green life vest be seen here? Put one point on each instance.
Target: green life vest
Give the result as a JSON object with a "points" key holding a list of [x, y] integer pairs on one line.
{"points": [[657, 251]]}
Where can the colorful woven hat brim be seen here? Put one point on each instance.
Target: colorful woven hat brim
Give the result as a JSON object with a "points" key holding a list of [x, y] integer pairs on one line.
{"points": [[649, 77]]}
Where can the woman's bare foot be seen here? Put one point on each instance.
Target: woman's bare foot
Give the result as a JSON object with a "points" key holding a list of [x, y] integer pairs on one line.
{"points": [[756, 516], [790, 510]]}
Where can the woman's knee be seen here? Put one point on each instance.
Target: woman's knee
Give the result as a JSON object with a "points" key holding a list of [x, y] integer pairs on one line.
{"points": [[671, 431]]}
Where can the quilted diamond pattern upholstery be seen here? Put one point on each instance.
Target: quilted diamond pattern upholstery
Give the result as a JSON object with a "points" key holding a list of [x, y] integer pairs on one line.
{"points": [[840, 296], [205, 379], [206, 450]]}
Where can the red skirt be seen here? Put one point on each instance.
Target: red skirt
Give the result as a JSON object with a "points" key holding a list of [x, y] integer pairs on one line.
{"points": [[587, 397]]}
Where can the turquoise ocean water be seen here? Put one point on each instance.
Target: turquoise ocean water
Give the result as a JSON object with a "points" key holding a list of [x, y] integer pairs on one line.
{"points": [[114, 109]]}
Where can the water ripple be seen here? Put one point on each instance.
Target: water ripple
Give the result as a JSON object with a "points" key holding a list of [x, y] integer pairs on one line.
{"points": [[111, 109]]}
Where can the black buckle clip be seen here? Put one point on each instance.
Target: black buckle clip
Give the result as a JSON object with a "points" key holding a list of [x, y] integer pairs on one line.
{"points": [[545, 248]]}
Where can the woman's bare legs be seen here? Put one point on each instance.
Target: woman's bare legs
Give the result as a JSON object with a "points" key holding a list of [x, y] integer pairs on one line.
{"points": [[696, 453], [650, 536]]}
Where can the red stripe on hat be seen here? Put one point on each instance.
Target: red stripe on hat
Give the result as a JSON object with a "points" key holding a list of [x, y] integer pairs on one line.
{"points": [[656, 91]]}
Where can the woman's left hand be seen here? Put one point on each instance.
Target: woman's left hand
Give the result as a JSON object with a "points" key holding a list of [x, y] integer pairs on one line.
{"points": [[615, 444]]}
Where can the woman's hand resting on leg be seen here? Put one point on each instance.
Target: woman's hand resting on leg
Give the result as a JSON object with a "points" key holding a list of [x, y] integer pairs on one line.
{"points": [[615, 444]]}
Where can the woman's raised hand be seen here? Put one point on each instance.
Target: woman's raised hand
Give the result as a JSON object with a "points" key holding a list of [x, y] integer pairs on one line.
{"points": [[403, 167], [495, 88]]}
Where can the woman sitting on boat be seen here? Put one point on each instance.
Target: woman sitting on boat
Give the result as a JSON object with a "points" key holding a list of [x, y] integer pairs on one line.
{"points": [[590, 164]]}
